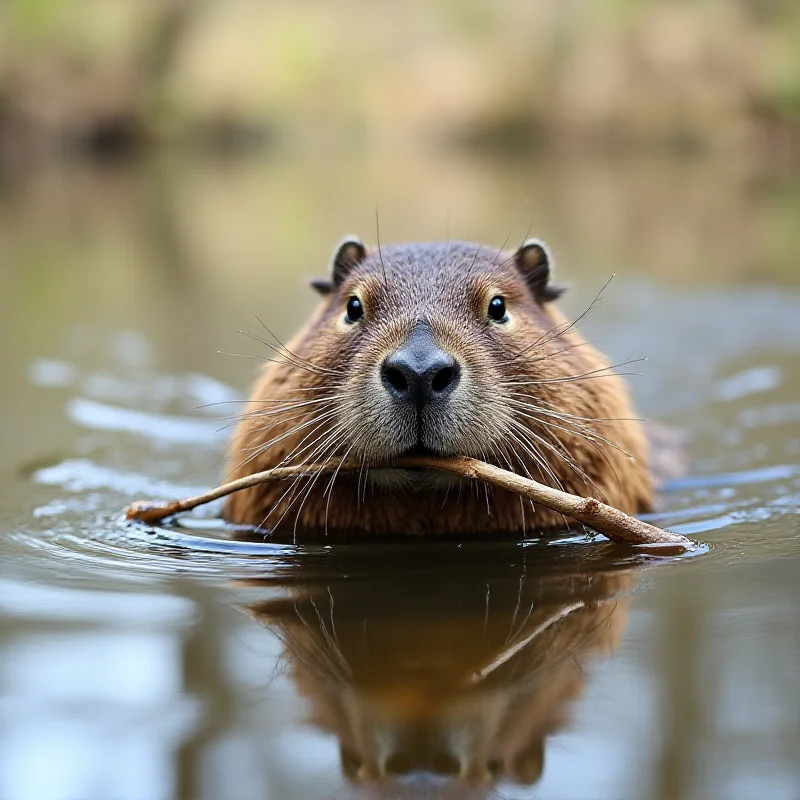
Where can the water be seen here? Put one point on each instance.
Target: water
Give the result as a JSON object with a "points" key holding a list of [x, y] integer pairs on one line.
{"points": [[140, 664]]}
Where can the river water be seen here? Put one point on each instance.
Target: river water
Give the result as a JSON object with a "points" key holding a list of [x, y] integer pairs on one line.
{"points": [[139, 664]]}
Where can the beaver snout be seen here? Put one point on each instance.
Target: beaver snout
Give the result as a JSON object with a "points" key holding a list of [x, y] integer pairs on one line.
{"points": [[420, 371]]}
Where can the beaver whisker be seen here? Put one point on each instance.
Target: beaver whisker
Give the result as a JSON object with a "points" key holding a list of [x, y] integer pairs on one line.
{"points": [[575, 416], [591, 307], [547, 470], [546, 429], [334, 443], [511, 258], [329, 488], [318, 415], [312, 655], [531, 401], [298, 450], [244, 402], [262, 401], [252, 356], [512, 632], [305, 653], [363, 474], [326, 442], [544, 356], [565, 457], [296, 429], [598, 448], [580, 430], [522, 434], [266, 359], [556, 446], [518, 435], [278, 414], [380, 250], [595, 373], [256, 451], [333, 623], [546, 425], [312, 368], [317, 443], [588, 435], [297, 358], [502, 455], [508, 238], [565, 327], [279, 421], [520, 583], [474, 259], [559, 447], [535, 676], [259, 412]]}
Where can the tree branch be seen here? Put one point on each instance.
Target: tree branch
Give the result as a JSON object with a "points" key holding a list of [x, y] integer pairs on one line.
{"points": [[603, 518]]}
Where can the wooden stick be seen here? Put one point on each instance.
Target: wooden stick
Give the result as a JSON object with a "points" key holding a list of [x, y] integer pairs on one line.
{"points": [[601, 517], [605, 519]]}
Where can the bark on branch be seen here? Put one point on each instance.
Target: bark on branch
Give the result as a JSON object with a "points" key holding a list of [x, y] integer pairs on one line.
{"points": [[603, 518]]}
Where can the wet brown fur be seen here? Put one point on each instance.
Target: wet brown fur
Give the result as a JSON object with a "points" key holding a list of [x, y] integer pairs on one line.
{"points": [[316, 400]]}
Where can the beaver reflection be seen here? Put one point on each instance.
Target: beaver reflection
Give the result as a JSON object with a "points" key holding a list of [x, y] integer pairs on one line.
{"points": [[454, 675]]}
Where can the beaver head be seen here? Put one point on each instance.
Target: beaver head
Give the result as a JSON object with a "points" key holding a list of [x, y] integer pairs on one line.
{"points": [[452, 349], [428, 339]]}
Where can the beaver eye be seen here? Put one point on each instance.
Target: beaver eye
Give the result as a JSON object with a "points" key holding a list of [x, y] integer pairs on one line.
{"points": [[497, 309], [354, 309]]}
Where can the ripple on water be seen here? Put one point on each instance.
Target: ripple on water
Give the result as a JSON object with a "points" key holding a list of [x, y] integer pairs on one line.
{"points": [[206, 549], [174, 430], [84, 528]]}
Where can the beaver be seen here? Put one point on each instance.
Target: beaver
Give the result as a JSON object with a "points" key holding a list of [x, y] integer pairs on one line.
{"points": [[452, 349]]}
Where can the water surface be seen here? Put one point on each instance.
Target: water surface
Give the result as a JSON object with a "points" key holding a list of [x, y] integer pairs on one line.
{"points": [[142, 664]]}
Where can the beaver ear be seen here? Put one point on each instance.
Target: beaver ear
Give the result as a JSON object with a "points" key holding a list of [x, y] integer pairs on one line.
{"points": [[321, 285], [533, 261], [349, 253]]}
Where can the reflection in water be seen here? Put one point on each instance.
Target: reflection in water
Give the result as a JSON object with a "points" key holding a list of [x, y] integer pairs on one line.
{"points": [[452, 678]]}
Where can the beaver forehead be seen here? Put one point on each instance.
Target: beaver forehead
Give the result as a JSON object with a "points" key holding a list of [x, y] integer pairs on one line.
{"points": [[420, 273]]}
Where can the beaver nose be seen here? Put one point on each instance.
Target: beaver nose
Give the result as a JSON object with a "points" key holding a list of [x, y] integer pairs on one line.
{"points": [[420, 370]]}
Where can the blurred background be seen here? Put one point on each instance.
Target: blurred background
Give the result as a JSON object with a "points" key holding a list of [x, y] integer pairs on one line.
{"points": [[170, 167], [670, 128], [668, 75]]}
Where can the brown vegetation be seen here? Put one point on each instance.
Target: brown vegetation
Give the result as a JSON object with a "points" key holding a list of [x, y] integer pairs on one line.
{"points": [[657, 74]]}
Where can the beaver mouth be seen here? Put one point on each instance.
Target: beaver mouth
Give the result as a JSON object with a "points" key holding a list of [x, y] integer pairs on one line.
{"points": [[418, 451], [414, 478]]}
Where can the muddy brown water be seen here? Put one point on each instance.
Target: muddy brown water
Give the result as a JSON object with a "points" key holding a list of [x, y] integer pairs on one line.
{"points": [[140, 664]]}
